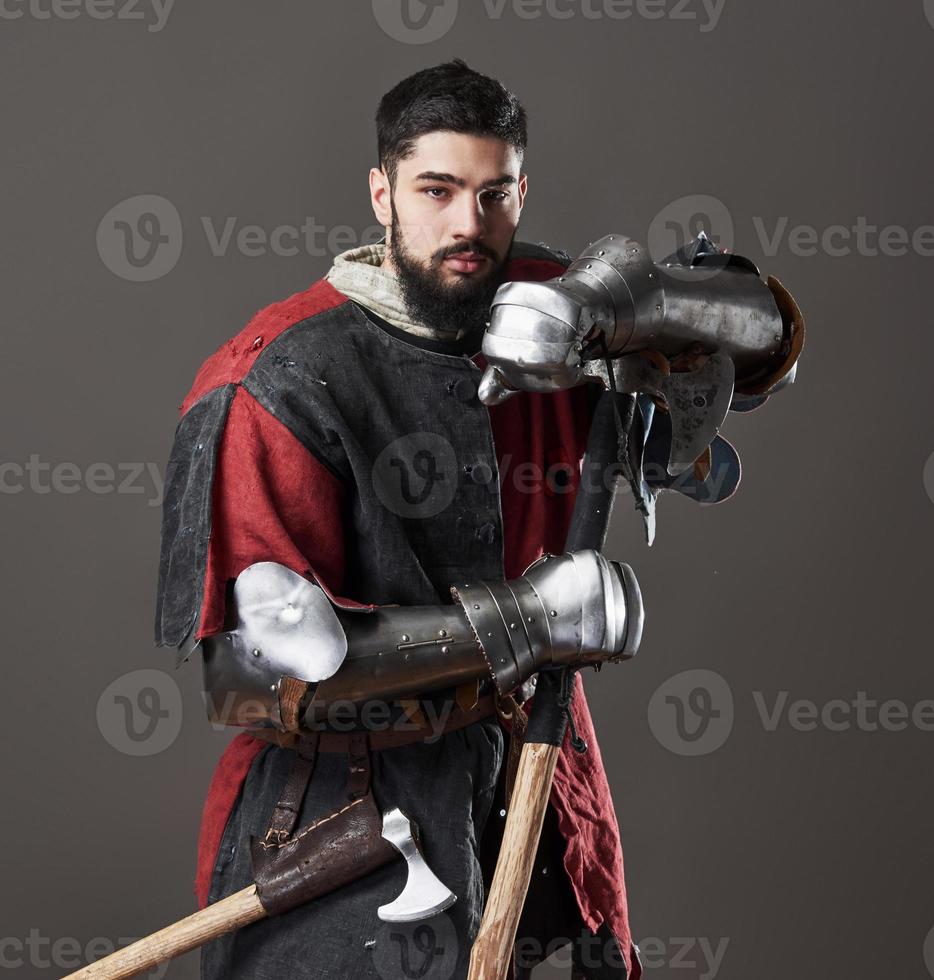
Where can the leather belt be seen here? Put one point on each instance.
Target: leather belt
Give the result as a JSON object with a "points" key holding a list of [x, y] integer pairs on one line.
{"points": [[389, 738]]}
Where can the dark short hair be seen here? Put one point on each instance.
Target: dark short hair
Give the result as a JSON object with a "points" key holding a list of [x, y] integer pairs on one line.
{"points": [[450, 96]]}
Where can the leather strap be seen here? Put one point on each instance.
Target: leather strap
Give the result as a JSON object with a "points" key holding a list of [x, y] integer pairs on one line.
{"points": [[325, 855], [286, 811], [510, 710], [357, 745], [358, 761]]}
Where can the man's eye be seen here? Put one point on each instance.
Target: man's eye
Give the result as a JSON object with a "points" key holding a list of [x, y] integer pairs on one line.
{"points": [[436, 192], [497, 196]]}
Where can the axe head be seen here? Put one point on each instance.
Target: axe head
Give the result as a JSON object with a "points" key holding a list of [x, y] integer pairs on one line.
{"points": [[424, 895]]}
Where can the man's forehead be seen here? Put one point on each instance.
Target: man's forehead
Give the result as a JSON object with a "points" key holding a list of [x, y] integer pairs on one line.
{"points": [[464, 157]]}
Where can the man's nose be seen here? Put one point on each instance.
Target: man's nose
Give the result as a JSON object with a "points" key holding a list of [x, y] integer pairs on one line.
{"points": [[469, 220]]}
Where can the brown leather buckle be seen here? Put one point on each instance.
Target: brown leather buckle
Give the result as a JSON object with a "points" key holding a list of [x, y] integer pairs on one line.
{"points": [[275, 838]]}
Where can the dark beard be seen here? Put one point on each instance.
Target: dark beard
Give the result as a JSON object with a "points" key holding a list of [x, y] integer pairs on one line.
{"points": [[463, 306]]}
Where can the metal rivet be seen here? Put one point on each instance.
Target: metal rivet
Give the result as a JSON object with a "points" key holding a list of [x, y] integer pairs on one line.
{"points": [[476, 605], [405, 637], [256, 653], [554, 612], [442, 632], [502, 813], [445, 649], [531, 619]]}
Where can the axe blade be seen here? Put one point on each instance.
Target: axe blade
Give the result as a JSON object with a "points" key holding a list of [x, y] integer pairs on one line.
{"points": [[424, 894]]}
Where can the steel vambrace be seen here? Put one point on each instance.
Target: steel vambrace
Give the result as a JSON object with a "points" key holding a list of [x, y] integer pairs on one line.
{"points": [[577, 609]]}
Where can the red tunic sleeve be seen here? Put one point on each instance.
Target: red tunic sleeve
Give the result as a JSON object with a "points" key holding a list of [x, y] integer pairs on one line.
{"points": [[272, 500]]}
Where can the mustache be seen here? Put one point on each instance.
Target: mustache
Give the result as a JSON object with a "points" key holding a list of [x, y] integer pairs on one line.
{"points": [[477, 247]]}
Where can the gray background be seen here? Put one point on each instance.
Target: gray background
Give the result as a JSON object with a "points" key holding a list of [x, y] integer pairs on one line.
{"points": [[807, 851]]}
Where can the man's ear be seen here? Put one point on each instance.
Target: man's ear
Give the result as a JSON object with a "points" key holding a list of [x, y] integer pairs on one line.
{"points": [[521, 188], [380, 195]]}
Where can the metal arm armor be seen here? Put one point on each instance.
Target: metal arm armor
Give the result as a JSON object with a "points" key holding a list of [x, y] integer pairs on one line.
{"points": [[700, 300], [292, 645]]}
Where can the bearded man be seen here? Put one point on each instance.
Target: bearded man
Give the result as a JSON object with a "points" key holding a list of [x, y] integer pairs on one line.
{"points": [[340, 436]]}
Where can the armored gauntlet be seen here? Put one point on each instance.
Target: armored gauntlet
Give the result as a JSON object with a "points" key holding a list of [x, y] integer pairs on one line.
{"points": [[699, 300]]}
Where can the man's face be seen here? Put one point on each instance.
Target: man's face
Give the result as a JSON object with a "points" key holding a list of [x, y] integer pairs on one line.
{"points": [[451, 219]]}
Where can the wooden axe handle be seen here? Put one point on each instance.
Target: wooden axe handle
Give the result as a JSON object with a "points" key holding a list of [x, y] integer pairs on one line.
{"points": [[492, 949], [490, 955], [233, 912]]}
